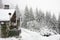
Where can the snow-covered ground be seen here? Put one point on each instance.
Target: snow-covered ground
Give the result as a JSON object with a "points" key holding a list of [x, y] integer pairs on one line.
{"points": [[31, 35]]}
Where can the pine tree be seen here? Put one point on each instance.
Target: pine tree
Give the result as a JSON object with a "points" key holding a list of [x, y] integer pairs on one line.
{"points": [[54, 22], [37, 15], [26, 15], [59, 24], [31, 14], [47, 18], [41, 15], [40, 18]]}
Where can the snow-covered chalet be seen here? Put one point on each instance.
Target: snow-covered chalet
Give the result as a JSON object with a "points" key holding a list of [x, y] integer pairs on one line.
{"points": [[9, 18]]}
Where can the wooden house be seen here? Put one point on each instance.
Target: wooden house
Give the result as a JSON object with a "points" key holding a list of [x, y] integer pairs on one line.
{"points": [[9, 19]]}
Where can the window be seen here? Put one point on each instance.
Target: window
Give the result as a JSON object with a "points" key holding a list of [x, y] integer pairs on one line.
{"points": [[9, 13]]}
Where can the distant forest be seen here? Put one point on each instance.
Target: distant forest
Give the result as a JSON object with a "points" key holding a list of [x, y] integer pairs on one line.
{"points": [[39, 20]]}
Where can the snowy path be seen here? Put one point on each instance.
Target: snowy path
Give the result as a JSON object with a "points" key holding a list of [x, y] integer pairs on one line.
{"points": [[29, 35]]}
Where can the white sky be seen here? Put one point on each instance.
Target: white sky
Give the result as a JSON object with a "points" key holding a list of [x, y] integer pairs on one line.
{"points": [[45, 5]]}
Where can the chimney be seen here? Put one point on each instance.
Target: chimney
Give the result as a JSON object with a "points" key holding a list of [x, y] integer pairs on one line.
{"points": [[6, 6]]}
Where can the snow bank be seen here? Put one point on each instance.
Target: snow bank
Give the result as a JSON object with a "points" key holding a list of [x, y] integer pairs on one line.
{"points": [[30, 35]]}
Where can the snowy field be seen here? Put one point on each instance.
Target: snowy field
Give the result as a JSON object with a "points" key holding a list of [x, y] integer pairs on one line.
{"points": [[30, 35]]}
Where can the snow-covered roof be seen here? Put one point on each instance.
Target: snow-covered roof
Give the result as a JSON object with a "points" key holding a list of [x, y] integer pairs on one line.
{"points": [[4, 14]]}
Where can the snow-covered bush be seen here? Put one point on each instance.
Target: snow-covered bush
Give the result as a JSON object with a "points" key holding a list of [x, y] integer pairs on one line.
{"points": [[45, 31]]}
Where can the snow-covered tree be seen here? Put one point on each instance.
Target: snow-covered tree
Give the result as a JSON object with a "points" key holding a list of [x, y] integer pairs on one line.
{"points": [[31, 15], [54, 22], [40, 18], [37, 14], [41, 15], [24, 24], [28, 16], [47, 18], [59, 24]]}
